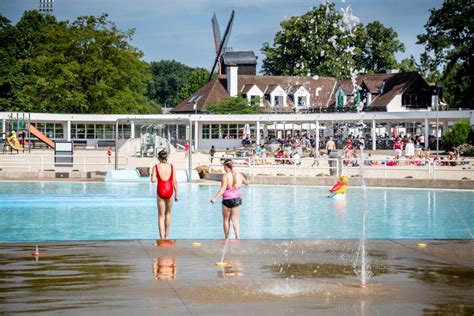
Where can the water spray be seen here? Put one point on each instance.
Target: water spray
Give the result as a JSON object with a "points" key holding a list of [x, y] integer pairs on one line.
{"points": [[221, 263]]}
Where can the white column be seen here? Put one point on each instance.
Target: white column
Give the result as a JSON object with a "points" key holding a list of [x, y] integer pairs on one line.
{"points": [[68, 131], [265, 130], [316, 141], [257, 137], [4, 128], [427, 132], [196, 135], [177, 131], [445, 127], [132, 129], [374, 137]]}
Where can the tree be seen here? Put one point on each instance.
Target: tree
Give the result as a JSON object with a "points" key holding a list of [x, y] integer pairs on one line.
{"points": [[457, 135], [448, 43], [327, 43], [234, 105], [84, 66], [316, 43], [408, 65], [376, 47], [197, 79], [168, 77], [18, 43]]}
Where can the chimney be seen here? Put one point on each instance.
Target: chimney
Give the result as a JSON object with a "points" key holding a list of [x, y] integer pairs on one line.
{"points": [[232, 72]]}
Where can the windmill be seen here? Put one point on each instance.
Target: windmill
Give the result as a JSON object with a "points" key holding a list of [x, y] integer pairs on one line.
{"points": [[219, 42]]}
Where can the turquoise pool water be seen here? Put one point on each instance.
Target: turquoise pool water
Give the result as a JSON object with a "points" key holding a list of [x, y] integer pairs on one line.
{"points": [[54, 211]]}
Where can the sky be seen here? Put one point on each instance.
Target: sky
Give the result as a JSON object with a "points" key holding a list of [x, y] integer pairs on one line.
{"points": [[181, 29]]}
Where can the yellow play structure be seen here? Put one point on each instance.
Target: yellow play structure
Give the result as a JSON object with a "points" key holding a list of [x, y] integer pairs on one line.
{"points": [[14, 142]]}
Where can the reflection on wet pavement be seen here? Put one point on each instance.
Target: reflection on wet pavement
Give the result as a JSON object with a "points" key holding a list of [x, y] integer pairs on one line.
{"points": [[317, 270], [43, 281], [442, 275], [458, 308], [273, 277], [232, 268], [164, 268]]}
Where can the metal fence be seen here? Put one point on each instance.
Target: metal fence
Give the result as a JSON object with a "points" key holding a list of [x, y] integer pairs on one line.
{"points": [[47, 162], [373, 168]]}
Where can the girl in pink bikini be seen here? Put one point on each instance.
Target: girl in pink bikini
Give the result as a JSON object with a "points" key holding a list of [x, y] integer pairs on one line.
{"points": [[231, 197]]}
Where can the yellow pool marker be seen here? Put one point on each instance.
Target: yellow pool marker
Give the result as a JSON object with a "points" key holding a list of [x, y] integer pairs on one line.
{"points": [[221, 263], [196, 244], [421, 244]]}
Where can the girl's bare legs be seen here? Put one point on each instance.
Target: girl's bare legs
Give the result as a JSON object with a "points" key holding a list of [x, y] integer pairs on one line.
{"points": [[235, 221], [169, 204], [161, 217], [226, 219]]}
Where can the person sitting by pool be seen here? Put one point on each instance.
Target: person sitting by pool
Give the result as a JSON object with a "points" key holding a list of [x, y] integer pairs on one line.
{"points": [[164, 191], [231, 197], [340, 188], [279, 156]]}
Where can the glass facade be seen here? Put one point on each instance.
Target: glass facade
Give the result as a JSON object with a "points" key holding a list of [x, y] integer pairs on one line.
{"points": [[99, 131], [52, 130], [223, 131]]}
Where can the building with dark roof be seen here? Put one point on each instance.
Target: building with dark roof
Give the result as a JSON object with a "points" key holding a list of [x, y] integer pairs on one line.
{"points": [[390, 92]]}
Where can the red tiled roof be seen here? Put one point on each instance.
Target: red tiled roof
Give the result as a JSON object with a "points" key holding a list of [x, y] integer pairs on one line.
{"points": [[322, 89], [213, 91]]}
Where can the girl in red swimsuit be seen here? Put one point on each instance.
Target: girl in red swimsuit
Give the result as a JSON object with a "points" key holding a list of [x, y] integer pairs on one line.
{"points": [[164, 174]]}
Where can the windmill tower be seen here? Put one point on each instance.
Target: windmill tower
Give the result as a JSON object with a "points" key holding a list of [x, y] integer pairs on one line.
{"points": [[220, 43], [46, 6]]}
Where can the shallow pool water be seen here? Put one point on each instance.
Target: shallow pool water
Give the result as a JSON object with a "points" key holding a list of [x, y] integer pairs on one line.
{"points": [[54, 211]]}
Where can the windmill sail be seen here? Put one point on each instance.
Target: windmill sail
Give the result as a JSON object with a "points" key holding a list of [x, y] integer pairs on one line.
{"points": [[222, 43], [217, 32]]}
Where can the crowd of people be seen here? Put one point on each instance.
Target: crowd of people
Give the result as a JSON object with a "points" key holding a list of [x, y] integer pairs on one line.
{"points": [[291, 149]]}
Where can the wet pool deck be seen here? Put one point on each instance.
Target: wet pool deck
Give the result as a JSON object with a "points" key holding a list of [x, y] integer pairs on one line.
{"points": [[262, 277]]}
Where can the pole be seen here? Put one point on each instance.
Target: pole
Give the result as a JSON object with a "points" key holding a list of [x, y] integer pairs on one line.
{"points": [[437, 122], [316, 141], [116, 144], [190, 156], [374, 136], [427, 128]]}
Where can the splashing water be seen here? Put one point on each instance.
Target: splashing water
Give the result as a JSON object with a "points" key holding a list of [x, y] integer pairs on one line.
{"points": [[361, 264], [225, 248]]}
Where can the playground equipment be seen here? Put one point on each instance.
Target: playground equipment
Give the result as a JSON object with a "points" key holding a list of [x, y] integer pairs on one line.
{"points": [[19, 132], [151, 140]]}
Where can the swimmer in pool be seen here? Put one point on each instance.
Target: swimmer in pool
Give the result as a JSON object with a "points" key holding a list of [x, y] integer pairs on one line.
{"points": [[231, 197], [163, 172]]}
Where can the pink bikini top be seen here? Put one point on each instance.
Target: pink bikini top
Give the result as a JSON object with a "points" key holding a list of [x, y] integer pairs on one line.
{"points": [[232, 194]]}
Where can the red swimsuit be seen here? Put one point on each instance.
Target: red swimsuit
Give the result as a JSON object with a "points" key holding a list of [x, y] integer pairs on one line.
{"points": [[164, 189]]}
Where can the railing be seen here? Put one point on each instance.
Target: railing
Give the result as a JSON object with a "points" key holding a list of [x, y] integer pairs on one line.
{"points": [[374, 168], [46, 162]]}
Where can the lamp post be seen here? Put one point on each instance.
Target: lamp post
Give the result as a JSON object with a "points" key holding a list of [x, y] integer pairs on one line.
{"points": [[437, 118]]}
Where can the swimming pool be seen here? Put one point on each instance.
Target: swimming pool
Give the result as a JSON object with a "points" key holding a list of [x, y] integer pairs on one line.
{"points": [[58, 211]]}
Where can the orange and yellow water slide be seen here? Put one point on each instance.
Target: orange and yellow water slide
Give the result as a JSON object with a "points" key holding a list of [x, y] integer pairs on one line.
{"points": [[15, 143], [41, 137]]}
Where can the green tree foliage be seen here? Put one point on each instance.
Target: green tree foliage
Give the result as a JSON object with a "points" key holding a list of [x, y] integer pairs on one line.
{"points": [[449, 42], [169, 76], [408, 65], [321, 43], [376, 47], [18, 43], [457, 135], [197, 79], [315, 43], [233, 105], [84, 66]]}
